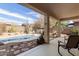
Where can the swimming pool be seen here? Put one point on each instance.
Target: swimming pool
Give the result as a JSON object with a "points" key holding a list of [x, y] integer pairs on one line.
{"points": [[19, 38]]}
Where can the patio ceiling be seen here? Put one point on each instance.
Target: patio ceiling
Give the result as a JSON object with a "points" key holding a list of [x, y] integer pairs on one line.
{"points": [[61, 11]]}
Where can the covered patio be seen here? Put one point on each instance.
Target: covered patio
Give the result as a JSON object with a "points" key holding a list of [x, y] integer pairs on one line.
{"points": [[48, 50], [59, 12]]}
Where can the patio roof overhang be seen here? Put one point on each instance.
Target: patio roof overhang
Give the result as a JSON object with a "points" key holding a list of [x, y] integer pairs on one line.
{"points": [[61, 11]]}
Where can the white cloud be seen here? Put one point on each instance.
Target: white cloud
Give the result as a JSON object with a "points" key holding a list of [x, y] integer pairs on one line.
{"points": [[6, 12], [26, 18], [5, 20], [31, 20], [31, 13], [34, 14]]}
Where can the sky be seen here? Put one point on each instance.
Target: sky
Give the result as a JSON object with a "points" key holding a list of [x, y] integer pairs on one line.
{"points": [[16, 13]]}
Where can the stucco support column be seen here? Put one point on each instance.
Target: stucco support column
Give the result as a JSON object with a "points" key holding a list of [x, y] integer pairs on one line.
{"points": [[46, 29], [59, 27]]}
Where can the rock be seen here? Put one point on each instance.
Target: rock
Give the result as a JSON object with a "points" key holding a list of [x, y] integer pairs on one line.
{"points": [[17, 52], [1, 43]]}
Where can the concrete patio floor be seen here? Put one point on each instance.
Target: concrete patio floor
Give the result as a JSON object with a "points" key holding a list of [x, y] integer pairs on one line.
{"points": [[48, 50]]}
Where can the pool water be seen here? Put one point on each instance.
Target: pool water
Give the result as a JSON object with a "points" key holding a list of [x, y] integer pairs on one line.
{"points": [[19, 38]]}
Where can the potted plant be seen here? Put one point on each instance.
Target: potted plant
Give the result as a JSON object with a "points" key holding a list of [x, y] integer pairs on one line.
{"points": [[74, 31]]}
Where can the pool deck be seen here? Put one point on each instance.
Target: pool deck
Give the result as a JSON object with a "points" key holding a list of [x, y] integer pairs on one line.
{"points": [[48, 50]]}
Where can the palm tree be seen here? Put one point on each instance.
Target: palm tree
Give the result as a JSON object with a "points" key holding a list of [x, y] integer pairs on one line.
{"points": [[58, 27]]}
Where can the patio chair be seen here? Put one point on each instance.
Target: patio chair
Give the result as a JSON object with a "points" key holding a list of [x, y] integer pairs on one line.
{"points": [[72, 42]]}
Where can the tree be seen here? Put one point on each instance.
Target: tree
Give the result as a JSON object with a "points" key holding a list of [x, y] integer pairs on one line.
{"points": [[12, 29], [37, 25], [26, 26]]}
